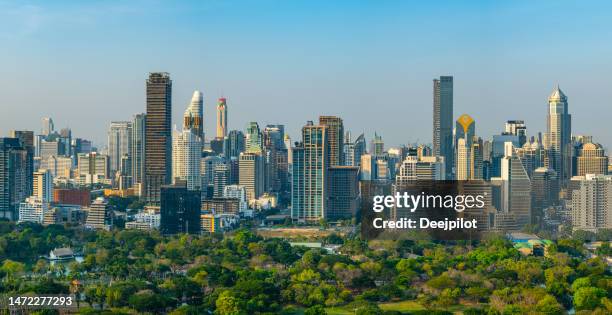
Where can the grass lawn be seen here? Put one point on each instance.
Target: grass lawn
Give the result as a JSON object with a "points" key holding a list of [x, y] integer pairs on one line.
{"points": [[403, 306]]}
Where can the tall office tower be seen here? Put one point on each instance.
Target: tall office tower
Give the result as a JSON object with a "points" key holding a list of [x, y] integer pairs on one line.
{"points": [[193, 119], [119, 143], [27, 140], [47, 126], [342, 192], [310, 169], [377, 147], [179, 210], [234, 144], [276, 158], [591, 160], [207, 169], [335, 136], [516, 187], [48, 148], [592, 203], [462, 170], [221, 174], [97, 214], [367, 168], [498, 151], [65, 141], [476, 163], [186, 156], [59, 166], [354, 150], [93, 167], [81, 146], [487, 150], [221, 118], [298, 190], [137, 150], [558, 135], [443, 122], [158, 136], [43, 185], [252, 174], [348, 150], [532, 155], [465, 131], [517, 128], [216, 146], [13, 177], [424, 168], [544, 190], [254, 138]]}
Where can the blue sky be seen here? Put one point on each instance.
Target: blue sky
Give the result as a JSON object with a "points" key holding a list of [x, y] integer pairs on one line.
{"points": [[370, 62]]}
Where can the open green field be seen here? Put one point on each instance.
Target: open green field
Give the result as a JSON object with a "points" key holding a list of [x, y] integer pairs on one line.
{"points": [[403, 306]]}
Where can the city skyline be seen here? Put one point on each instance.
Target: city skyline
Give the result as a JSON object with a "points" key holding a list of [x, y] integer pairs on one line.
{"points": [[275, 82]]}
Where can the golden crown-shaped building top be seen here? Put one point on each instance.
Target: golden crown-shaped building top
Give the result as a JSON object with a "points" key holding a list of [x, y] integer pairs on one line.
{"points": [[465, 121]]}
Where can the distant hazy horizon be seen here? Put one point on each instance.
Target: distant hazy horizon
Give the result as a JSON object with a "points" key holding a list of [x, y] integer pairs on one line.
{"points": [[84, 64]]}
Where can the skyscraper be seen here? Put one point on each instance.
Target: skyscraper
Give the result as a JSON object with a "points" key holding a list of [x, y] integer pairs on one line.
{"points": [[186, 156], [180, 210], [545, 191], [592, 160], [516, 187], [13, 178], [310, 170], [558, 135], [27, 140], [158, 136], [47, 126], [221, 118], [443, 121], [252, 174], [592, 203], [517, 128], [234, 144], [119, 143], [465, 131], [342, 192], [377, 147], [254, 138], [93, 167], [43, 185], [193, 119], [138, 149], [335, 136]]}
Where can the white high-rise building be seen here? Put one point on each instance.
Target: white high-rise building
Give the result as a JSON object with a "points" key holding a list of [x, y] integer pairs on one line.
{"points": [[43, 185], [193, 119], [592, 203], [186, 155], [119, 144]]}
